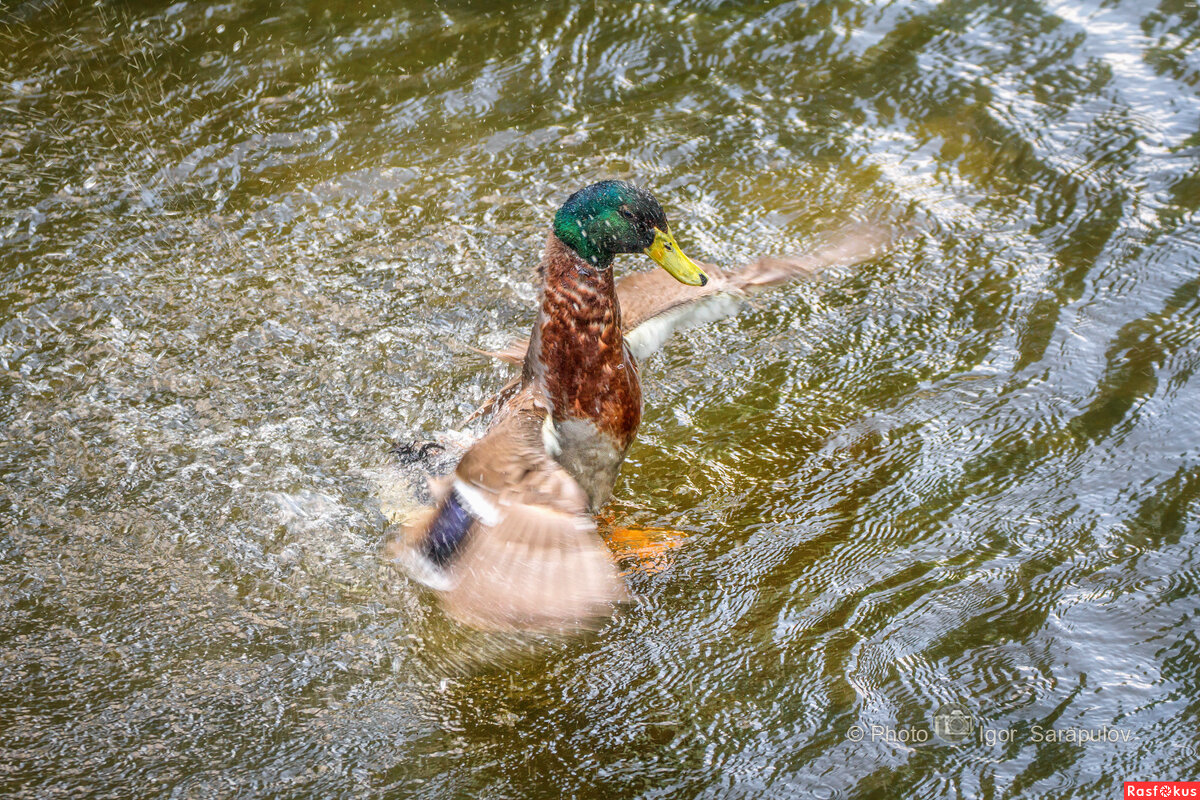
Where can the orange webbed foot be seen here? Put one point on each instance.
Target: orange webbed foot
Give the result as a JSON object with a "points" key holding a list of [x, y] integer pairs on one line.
{"points": [[646, 549]]}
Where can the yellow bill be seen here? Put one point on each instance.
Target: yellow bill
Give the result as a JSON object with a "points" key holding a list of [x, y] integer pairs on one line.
{"points": [[666, 253]]}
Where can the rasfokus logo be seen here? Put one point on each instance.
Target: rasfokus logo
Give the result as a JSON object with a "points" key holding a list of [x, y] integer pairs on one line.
{"points": [[1162, 790]]}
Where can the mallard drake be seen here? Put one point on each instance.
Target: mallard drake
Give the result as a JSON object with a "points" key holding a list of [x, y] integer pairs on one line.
{"points": [[511, 542]]}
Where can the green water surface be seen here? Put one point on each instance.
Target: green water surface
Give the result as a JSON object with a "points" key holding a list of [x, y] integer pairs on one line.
{"points": [[245, 244]]}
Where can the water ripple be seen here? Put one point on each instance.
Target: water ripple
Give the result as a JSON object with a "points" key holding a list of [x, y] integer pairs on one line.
{"points": [[244, 251]]}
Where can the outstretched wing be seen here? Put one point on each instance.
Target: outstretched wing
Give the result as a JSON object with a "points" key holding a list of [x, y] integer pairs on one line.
{"points": [[511, 544], [654, 305]]}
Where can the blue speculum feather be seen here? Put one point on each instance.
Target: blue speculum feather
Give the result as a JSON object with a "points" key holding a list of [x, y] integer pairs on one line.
{"points": [[448, 531]]}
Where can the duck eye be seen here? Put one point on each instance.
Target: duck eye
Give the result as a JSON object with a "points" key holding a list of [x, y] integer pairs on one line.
{"points": [[625, 212]]}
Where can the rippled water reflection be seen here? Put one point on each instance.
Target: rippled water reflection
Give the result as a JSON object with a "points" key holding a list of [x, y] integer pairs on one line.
{"points": [[244, 245]]}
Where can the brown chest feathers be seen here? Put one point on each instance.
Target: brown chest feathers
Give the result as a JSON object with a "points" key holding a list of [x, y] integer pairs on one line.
{"points": [[577, 349]]}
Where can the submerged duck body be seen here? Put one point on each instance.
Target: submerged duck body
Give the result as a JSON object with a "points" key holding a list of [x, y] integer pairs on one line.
{"points": [[511, 542]]}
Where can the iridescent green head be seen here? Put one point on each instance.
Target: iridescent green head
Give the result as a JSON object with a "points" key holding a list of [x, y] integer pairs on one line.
{"points": [[611, 217]]}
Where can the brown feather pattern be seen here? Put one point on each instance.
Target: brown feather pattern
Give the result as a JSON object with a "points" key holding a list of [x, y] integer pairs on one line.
{"points": [[579, 353]]}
